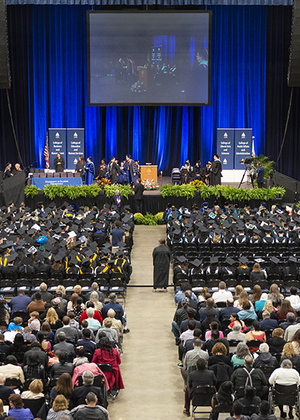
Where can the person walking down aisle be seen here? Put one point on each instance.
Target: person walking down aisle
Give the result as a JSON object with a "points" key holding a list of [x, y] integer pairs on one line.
{"points": [[161, 262]]}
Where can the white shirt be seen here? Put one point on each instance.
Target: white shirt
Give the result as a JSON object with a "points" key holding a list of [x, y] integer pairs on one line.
{"points": [[285, 377], [295, 301], [187, 335], [221, 296]]}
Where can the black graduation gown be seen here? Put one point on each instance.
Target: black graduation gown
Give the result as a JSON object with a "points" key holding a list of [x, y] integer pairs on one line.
{"points": [[215, 174], [113, 169], [59, 164], [161, 262]]}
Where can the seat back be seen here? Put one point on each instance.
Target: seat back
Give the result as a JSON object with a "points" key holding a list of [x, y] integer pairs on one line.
{"points": [[202, 396], [285, 394], [34, 405]]}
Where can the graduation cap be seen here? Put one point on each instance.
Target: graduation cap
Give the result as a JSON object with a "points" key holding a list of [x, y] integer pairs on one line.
{"points": [[196, 263], [11, 258], [31, 232], [58, 230], [93, 246], [293, 259], [8, 244], [218, 231], [275, 260], [234, 216], [126, 218], [181, 259], [25, 261], [126, 227], [226, 224], [177, 232], [120, 253], [229, 261], [205, 204], [267, 228], [214, 260], [243, 260], [256, 231], [58, 257], [88, 253]]}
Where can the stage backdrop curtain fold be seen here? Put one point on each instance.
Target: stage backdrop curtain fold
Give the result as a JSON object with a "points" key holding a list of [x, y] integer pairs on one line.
{"points": [[49, 89], [155, 2]]}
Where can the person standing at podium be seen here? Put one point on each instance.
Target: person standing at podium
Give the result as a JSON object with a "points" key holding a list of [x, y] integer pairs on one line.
{"points": [[59, 163]]}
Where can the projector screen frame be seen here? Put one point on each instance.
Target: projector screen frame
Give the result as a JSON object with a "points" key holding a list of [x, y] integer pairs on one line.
{"points": [[138, 11]]}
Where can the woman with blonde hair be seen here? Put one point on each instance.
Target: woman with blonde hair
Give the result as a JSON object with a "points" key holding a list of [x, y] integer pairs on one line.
{"points": [[238, 290], [201, 296], [59, 407], [268, 307], [241, 300], [2, 414], [52, 319], [289, 352], [95, 299], [35, 391]]}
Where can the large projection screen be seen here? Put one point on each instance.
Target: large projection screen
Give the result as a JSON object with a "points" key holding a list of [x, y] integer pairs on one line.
{"points": [[149, 58]]}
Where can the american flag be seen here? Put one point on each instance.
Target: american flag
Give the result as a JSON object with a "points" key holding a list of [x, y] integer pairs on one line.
{"points": [[46, 153]]}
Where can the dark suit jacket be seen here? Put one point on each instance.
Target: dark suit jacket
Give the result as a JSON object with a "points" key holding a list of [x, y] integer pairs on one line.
{"points": [[82, 391], [71, 334], [268, 324], [227, 311], [64, 346], [5, 392], [138, 191], [41, 354], [184, 323]]}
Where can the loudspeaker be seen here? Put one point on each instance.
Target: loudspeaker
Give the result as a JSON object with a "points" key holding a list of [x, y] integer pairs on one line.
{"points": [[4, 58], [294, 59]]}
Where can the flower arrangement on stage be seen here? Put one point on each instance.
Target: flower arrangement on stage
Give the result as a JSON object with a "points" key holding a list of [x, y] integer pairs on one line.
{"points": [[102, 182], [198, 184], [149, 219], [149, 184]]}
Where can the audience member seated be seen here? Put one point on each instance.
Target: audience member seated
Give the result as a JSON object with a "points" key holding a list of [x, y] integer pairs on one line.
{"points": [[34, 321], [97, 314], [209, 310], [17, 410], [238, 359], [92, 367], [62, 345], [113, 304], [48, 334], [292, 328], [214, 325], [222, 400], [95, 288], [60, 406], [222, 295], [190, 315], [263, 412], [294, 299], [200, 377], [269, 307], [37, 305], [95, 299], [247, 312], [53, 319], [45, 295], [181, 293], [92, 323], [33, 369], [62, 366], [35, 391], [228, 310], [91, 410], [63, 387], [16, 324], [86, 341], [258, 298], [220, 363], [243, 297], [276, 342], [289, 352], [274, 293], [105, 353], [285, 375], [268, 324], [257, 274], [4, 347], [237, 409], [244, 376], [296, 341], [71, 333], [18, 345], [189, 344], [238, 290], [179, 316], [250, 400], [284, 308], [80, 392], [192, 356], [110, 332], [215, 338], [236, 334], [265, 358], [19, 302], [5, 391], [10, 369], [255, 334]]}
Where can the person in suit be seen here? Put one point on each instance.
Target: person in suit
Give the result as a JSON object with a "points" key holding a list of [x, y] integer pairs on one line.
{"points": [[228, 310], [113, 169], [62, 345], [260, 172], [138, 196], [80, 392], [267, 323], [71, 333]]}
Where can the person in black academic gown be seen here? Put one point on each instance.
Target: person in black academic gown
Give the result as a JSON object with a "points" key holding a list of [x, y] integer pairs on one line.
{"points": [[59, 163], [216, 171], [161, 262]]}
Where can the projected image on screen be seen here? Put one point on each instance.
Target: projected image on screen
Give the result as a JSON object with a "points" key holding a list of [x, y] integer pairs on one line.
{"points": [[149, 58]]}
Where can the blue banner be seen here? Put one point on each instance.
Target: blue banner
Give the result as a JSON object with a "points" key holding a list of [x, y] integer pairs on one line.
{"points": [[225, 146], [243, 149], [57, 144], [42, 182], [75, 146]]}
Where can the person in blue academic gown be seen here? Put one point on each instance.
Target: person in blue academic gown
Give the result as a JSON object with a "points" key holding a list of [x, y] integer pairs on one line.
{"points": [[89, 171], [132, 170]]}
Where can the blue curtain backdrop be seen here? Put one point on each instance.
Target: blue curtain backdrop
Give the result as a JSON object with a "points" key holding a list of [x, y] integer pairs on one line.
{"points": [[55, 41], [47, 47]]}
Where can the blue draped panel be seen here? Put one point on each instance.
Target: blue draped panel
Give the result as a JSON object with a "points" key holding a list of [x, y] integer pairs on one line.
{"points": [[56, 89]]}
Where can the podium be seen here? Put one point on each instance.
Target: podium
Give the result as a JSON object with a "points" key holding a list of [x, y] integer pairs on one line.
{"points": [[149, 172]]}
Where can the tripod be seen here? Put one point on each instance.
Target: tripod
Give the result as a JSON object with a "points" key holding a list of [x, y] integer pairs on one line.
{"points": [[245, 171]]}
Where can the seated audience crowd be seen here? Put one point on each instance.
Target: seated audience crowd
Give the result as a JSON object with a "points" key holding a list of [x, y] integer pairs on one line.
{"points": [[236, 279], [60, 341]]}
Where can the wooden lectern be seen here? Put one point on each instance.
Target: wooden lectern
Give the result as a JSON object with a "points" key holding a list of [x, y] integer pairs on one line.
{"points": [[149, 172]]}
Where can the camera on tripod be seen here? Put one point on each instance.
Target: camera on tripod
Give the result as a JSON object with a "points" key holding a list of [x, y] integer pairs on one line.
{"points": [[247, 160]]}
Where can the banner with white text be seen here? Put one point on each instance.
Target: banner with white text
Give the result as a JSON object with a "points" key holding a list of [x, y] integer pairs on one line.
{"points": [[243, 146], [75, 146], [225, 147], [57, 144]]}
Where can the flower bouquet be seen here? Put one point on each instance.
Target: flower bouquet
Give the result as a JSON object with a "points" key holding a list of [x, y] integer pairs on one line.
{"points": [[149, 184]]}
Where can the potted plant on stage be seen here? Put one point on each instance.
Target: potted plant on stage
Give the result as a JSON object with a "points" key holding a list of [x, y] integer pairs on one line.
{"points": [[268, 166]]}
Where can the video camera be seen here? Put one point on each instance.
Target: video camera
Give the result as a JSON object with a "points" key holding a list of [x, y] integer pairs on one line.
{"points": [[247, 160]]}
